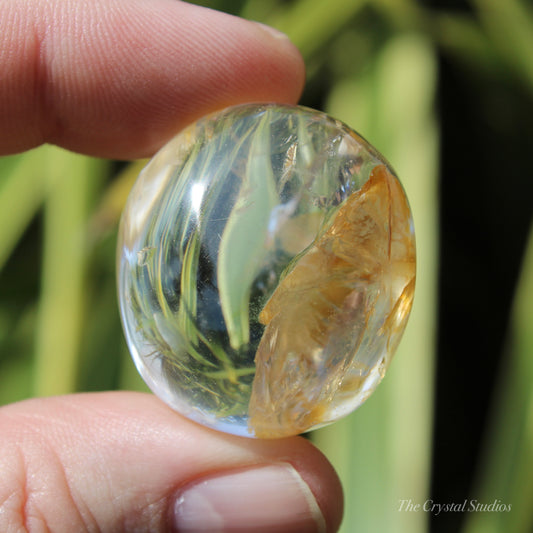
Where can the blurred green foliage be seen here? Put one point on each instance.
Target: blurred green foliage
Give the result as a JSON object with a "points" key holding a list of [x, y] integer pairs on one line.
{"points": [[375, 65]]}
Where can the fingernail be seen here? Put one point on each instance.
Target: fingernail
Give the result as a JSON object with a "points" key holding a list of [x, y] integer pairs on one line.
{"points": [[272, 31], [261, 499]]}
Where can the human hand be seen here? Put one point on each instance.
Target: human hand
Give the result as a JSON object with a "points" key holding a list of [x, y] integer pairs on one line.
{"points": [[117, 79]]}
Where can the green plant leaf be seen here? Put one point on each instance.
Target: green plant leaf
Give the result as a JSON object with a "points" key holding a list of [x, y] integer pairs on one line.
{"points": [[242, 247]]}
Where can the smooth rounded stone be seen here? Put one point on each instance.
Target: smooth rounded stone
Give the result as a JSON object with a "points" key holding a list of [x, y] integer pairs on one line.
{"points": [[266, 270]]}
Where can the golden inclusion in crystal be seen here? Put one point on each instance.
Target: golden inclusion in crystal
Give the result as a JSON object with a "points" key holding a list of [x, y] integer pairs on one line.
{"points": [[365, 258], [266, 267]]}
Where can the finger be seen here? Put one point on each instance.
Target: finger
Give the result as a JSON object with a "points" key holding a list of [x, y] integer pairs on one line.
{"points": [[117, 78], [126, 462]]}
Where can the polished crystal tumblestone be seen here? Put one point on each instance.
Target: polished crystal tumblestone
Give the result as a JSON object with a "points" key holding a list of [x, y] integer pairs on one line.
{"points": [[266, 270]]}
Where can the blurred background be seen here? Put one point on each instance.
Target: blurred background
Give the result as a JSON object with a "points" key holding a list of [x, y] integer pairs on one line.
{"points": [[444, 88]]}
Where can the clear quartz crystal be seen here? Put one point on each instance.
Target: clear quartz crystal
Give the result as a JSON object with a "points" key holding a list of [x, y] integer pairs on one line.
{"points": [[266, 270]]}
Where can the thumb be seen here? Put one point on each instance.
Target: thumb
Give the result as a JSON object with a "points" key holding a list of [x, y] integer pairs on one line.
{"points": [[126, 462]]}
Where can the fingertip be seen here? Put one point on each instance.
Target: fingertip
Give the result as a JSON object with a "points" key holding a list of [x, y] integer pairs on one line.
{"points": [[127, 460], [325, 484], [118, 79], [291, 54]]}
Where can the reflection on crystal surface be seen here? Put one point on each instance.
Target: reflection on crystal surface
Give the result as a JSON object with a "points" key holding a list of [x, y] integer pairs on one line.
{"points": [[266, 270]]}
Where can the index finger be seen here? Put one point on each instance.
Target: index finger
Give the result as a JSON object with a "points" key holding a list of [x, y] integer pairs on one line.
{"points": [[117, 78]]}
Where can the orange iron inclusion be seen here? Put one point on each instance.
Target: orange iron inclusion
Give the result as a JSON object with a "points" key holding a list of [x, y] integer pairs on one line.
{"points": [[334, 321], [266, 270]]}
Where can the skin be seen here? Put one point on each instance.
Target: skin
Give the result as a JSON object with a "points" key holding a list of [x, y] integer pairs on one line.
{"points": [[118, 78]]}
